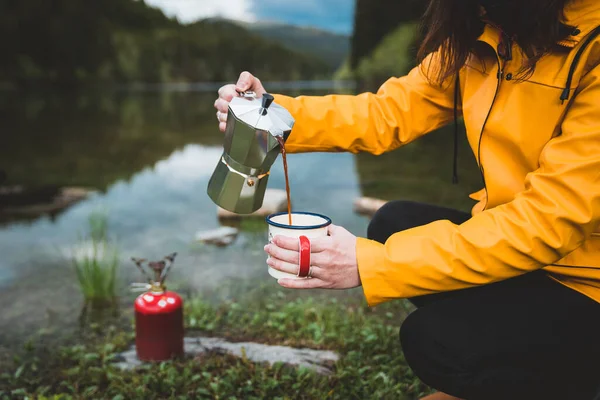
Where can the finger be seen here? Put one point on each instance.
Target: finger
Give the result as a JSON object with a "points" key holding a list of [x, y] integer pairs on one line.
{"points": [[257, 87], [322, 259], [316, 244], [283, 266], [334, 229], [222, 105], [287, 243], [222, 117], [228, 92], [282, 254], [311, 283], [245, 81], [222, 126], [320, 244]]}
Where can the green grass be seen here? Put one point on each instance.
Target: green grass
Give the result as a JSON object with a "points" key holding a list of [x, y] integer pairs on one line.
{"points": [[371, 364], [97, 262]]}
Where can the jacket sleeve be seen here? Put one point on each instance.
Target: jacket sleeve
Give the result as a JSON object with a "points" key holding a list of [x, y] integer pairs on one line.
{"points": [[557, 211], [402, 110]]}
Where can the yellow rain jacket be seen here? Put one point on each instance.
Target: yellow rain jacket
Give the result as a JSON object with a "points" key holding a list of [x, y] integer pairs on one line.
{"points": [[537, 143]]}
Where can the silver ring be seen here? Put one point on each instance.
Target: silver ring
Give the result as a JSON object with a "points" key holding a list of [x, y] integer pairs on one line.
{"points": [[219, 116]]}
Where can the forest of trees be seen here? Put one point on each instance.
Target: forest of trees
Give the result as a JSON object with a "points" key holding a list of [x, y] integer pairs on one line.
{"points": [[374, 19], [384, 42], [72, 42]]}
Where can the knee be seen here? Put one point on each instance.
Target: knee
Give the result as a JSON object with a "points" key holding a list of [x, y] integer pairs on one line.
{"points": [[433, 356], [392, 217], [379, 224], [418, 344]]}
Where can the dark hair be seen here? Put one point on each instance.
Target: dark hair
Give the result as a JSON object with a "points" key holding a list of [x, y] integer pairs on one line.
{"points": [[453, 26]]}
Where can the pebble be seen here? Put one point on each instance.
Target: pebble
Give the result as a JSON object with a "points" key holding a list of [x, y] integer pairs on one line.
{"points": [[222, 236]]}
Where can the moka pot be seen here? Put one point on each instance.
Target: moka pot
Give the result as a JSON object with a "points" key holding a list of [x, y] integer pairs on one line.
{"points": [[251, 146]]}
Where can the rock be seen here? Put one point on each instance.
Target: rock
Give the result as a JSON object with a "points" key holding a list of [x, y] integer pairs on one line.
{"points": [[16, 189], [367, 205], [319, 361], [222, 236], [42, 201], [275, 201], [75, 193]]}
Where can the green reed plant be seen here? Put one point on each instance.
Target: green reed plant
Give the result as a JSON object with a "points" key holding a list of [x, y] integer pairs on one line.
{"points": [[96, 261], [98, 225]]}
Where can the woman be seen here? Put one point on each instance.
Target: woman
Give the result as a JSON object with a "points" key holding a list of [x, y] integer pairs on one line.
{"points": [[507, 296]]}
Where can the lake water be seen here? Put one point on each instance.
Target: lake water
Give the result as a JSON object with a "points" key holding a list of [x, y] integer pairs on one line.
{"points": [[149, 156]]}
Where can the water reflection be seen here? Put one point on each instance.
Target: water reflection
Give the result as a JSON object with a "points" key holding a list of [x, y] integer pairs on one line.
{"points": [[149, 156], [166, 204], [422, 171], [163, 206]]}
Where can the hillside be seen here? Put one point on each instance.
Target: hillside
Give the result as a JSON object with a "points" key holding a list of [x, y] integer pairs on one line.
{"points": [[70, 43], [330, 47], [211, 51]]}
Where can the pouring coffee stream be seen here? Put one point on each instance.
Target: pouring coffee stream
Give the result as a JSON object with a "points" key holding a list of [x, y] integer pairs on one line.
{"points": [[267, 100], [287, 179]]}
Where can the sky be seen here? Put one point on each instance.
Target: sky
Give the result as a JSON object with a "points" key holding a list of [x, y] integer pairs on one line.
{"points": [[332, 15]]}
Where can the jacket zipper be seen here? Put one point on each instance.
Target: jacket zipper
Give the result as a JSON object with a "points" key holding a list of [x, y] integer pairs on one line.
{"points": [[500, 76]]}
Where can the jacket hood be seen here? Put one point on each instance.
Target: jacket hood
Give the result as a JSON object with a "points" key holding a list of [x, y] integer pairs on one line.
{"points": [[584, 15]]}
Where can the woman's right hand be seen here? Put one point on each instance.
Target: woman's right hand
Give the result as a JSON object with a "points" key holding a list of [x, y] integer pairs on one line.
{"points": [[246, 82]]}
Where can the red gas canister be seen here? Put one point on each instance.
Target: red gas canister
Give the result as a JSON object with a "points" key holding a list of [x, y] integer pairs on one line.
{"points": [[158, 317], [158, 326]]}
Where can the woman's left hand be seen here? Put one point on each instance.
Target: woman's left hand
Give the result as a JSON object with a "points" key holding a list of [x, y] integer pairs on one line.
{"points": [[333, 260]]}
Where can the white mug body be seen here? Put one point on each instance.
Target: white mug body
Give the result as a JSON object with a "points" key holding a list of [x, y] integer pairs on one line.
{"points": [[306, 224]]}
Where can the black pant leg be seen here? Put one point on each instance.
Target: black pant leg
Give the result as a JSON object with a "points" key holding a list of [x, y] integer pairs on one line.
{"points": [[523, 338], [397, 216]]}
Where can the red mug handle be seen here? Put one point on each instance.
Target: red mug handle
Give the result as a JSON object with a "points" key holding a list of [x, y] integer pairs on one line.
{"points": [[304, 261]]}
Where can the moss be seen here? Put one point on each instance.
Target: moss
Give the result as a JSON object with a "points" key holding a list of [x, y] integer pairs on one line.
{"points": [[371, 365]]}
